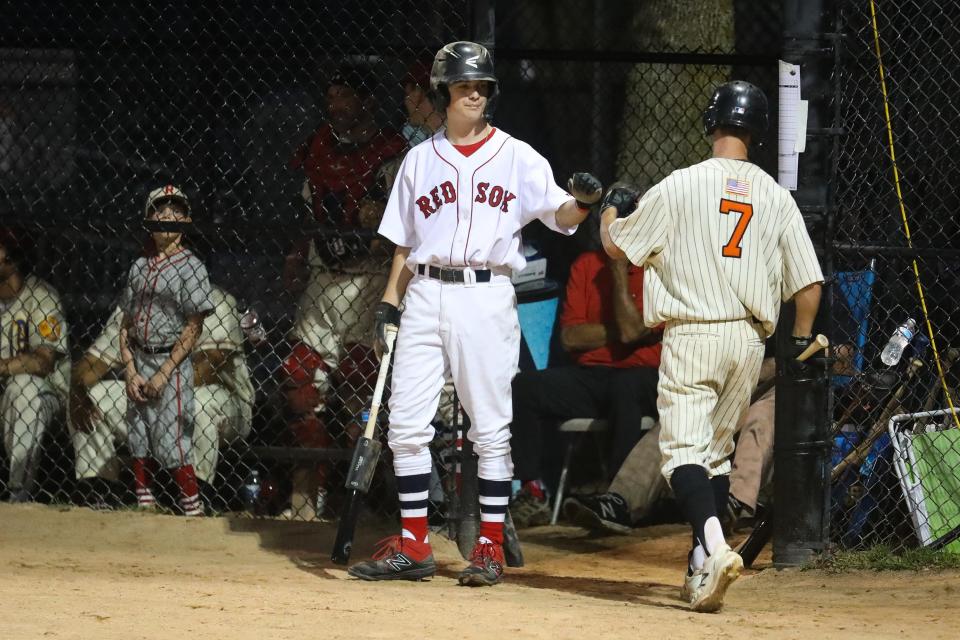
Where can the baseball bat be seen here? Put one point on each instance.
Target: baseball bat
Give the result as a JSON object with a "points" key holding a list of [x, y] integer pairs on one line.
{"points": [[469, 516], [364, 462], [856, 457], [819, 342], [763, 530], [949, 358]]}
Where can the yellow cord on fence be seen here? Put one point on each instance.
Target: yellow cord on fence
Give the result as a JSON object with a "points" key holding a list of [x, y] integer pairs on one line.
{"points": [[903, 214]]}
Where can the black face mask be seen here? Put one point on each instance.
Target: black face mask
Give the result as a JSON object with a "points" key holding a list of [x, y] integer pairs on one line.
{"points": [[166, 226]]}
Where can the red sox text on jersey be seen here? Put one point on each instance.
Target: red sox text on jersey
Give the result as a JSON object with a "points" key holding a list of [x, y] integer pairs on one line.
{"points": [[497, 197]]}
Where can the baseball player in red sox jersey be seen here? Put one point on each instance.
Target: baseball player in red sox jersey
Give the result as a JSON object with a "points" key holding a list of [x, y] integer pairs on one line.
{"points": [[455, 214], [723, 244]]}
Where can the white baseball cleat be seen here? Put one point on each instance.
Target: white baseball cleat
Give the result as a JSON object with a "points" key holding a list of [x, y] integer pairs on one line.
{"points": [[719, 572], [690, 585]]}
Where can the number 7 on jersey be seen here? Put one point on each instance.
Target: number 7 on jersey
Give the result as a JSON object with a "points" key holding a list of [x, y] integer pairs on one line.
{"points": [[733, 249]]}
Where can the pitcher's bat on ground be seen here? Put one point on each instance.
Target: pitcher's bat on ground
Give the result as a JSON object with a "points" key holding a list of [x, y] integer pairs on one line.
{"points": [[364, 462], [762, 532], [856, 457]]}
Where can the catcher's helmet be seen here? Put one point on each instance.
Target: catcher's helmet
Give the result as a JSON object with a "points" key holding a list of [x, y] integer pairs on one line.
{"points": [[737, 104], [458, 62]]}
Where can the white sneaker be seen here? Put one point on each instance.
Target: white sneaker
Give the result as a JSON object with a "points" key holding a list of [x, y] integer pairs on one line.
{"points": [[719, 572], [690, 585]]}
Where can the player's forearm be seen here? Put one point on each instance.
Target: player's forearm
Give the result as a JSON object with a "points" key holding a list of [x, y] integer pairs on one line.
{"points": [[628, 319], [570, 215], [584, 337], [183, 346], [33, 363], [86, 372], [126, 355], [606, 219], [807, 301], [399, 277]]}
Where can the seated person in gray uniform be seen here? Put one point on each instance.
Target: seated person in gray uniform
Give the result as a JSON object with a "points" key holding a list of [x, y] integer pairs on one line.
{"points": [[223, 403], [166, 298]]}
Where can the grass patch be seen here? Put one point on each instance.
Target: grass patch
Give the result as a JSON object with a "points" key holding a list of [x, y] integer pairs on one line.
{"points": [[882, 558]]}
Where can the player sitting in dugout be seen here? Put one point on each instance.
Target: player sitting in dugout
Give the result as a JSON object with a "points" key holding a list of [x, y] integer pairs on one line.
{"points": [[614, 376], [34, 364], [223, 407]]}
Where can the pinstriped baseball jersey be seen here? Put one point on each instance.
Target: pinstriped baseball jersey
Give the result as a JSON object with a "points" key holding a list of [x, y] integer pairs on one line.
{"points": [[161, 292], [723, 241], [468, 211], [221, 331]]}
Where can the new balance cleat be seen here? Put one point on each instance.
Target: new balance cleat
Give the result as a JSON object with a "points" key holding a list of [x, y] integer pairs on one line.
{"points": [[397, 558], [486, 566], [604, 512], [719, 571]]}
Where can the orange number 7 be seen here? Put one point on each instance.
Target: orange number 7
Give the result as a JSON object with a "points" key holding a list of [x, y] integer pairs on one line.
{"points": [[733, 249]]}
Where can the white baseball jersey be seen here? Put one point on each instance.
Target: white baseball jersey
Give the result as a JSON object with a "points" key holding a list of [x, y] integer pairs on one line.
{"points": [[468, 211], [723, 241], [35, 319]]}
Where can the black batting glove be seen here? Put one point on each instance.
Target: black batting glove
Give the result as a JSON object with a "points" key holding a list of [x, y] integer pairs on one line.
{"points": [[795, 345], [586, 188], [621, 197], [384, 315]]}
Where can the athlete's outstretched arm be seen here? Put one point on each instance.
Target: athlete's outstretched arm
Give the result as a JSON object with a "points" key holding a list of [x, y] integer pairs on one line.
{"points": [[399, 278], [570, 215], [607, 216], [808, 302]]}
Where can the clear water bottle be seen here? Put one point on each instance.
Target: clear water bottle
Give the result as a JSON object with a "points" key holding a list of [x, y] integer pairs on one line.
{"points": [[898, 341], [252, 327], [251, 490]]}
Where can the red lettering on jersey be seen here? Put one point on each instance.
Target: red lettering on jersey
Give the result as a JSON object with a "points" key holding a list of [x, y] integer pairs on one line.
{"points": [[435, 196], [449, 193], [506, 201], [424, 203], [482, 192], [496, 196]]}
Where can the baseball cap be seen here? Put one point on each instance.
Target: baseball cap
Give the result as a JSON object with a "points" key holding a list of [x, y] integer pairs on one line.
{"points": [[357, 76], [165, 194]]}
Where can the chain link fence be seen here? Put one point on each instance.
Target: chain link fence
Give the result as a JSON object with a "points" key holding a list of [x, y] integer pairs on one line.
{"points": [[284, 125], [896, 455]]}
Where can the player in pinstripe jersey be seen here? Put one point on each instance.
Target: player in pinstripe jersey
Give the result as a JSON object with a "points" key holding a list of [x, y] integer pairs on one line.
{"points": [[722, 244]]}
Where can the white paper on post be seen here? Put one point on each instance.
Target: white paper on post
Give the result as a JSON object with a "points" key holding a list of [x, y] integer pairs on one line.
{"points": [[790, 125]]}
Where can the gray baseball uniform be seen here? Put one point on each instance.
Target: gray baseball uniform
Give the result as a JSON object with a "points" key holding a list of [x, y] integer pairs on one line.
{"points": [[160, 294]]}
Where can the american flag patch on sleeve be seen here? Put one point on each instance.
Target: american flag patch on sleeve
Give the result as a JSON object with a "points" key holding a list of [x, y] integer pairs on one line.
{"points": [[737, 186]]}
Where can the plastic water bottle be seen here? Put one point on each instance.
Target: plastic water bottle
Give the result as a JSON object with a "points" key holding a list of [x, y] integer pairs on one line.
{"points": [[898, 341], [251, 490], [252, 327]]}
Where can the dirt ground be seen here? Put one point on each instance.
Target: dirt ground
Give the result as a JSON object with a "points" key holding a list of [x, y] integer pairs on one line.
{"points": [[77, 573]]}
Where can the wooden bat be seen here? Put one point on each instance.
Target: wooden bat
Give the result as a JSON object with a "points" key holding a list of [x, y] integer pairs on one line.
{"points": [[949, 358], [820, 342], [856, 457], [364, 462]]}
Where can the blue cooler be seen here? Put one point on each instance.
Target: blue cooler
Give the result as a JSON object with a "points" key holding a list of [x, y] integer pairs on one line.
{"points": [[537, 310]]}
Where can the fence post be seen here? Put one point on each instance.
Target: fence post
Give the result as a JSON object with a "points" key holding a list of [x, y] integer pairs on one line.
{"points": [[801, 443]]}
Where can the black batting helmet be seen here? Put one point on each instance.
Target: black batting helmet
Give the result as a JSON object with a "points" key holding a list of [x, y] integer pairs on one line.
{"points": [[740, 105], [459, 62]]}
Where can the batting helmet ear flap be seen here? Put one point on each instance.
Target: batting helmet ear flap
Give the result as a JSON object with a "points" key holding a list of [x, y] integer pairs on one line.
{"points": [[440, 97]]}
